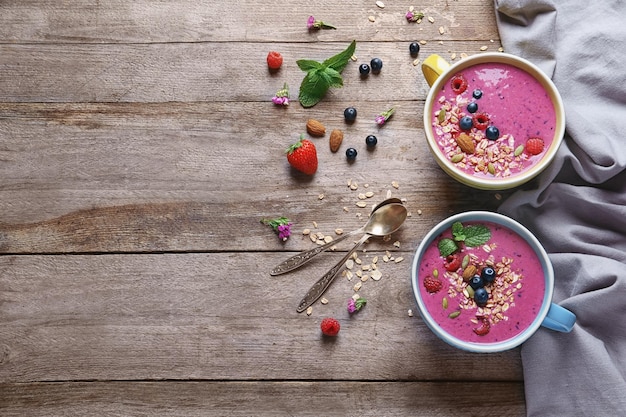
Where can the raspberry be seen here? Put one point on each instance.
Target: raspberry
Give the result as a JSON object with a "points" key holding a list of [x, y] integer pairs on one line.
{"points": [[274, 60], [481, 120], [452, 263], [534, 146], [432, 285], [458, 83], [330, 326], [484, 327]]}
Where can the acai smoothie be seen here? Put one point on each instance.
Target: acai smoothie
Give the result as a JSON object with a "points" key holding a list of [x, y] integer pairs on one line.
{"points": [[493, 120], [481, 282]]}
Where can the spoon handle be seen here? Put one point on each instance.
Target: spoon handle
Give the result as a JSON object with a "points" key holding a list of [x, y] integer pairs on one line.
{"points": [[323, 283], [301, 258]]}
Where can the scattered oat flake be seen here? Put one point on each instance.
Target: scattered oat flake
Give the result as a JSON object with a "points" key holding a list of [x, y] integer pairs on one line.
{"points": [[416, 62], [369, 194], [350, 263], [353, 58], [371, 18], [395, 184], [324, 301], [328, 239], [380, 4], [453, 56], [377, 275], [320, 197], [358, 286], [361, 204], [309, 311], [364, 278], [441, 30], [362, 196], [339, 231], [306, 232], [315, 225], [410, 313], [423, 42], [396, 243], [399, 259], [431, 19], [419, 212], [346, 209], [484, 48]]}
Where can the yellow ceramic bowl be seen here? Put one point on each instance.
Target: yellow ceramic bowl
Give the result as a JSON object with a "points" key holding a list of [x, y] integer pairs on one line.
{"points": [[438, 73]]}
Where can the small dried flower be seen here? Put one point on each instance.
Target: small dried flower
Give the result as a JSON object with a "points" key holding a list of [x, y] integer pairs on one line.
{"points": [[356, 305], [382, 118], [281, 97], [281, 225], [318, 24], [413, 16]]}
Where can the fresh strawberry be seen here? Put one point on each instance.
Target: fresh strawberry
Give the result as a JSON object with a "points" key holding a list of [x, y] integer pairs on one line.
{"points": [[452, 262], [432, 285], [330, 326], [534, 146], [274, 60], [302, 155], [458, 83]]}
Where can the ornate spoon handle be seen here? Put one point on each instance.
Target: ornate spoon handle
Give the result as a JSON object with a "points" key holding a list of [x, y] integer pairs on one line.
{"points": [[300, 259], [323, 283]]}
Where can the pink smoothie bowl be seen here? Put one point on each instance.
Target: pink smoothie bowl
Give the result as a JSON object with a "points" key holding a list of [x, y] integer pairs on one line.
{"points": [[520, 291], [515, 97]]}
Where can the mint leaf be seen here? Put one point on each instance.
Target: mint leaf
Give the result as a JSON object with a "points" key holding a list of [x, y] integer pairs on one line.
{"points": [[447, 247], [308, 64], [339, 61], [476, 235], [322, 76], [458, 231]]}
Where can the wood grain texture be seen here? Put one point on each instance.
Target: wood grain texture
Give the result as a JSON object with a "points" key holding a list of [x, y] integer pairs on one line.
{"points": [[139, 151]]}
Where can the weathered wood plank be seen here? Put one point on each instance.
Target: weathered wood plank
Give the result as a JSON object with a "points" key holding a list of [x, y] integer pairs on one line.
{"points": [[207, 72], [145, 21], [341, 398], [215, 317]]}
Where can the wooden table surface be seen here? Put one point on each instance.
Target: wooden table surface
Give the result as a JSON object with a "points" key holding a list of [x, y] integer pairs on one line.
{"points": [[139, 150]]}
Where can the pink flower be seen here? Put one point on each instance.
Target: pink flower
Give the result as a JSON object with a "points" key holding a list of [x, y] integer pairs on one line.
{"points": [[281, 225], [311, 23], [356, 305], [382, 118], [281, 97], [412, 16]]}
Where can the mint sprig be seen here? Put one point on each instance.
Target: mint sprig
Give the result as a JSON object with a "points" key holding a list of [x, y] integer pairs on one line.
{"points": [[472, 236], [322, 76]]}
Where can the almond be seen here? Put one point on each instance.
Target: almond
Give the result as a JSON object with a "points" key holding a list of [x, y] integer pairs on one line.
{"points": [[315, 128], [466, 143], [469, 272], [336, 137]]}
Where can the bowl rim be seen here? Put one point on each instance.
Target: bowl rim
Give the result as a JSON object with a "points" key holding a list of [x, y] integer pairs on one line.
{"points": [[523, 232], [486, 183]]}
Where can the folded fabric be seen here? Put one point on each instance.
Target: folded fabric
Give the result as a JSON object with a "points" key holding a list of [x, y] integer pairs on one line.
{"points": [[577, 207]]}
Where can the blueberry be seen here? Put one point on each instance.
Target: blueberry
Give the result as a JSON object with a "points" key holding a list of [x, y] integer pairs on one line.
{"points": [[364, 69], [492, 133], [481, 296], [472, 107], [466, 123], [477, 94], [476, 282], [371, 141], [414, 48], [376, 64], [351, 154], [350, 114], [488, 274]]}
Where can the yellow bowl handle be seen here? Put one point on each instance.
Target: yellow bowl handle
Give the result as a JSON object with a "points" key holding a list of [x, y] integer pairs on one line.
{"points": [[433, 67]]}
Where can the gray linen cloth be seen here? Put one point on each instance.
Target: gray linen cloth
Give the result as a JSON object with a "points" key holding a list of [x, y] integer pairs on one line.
{"points": [[577, 207]]}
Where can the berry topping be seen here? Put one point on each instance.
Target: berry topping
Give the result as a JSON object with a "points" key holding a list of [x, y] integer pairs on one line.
{"points": [[432, 285], [274, 60], [466, 123], [472, 107], [484, 327], [492, 133], [477, 94], [376, 64], [481, 296], [351, 154], [350, 114], [488, 274], [371, 141], [330, 326], [414, 48], [534, 146], [452, 262], [481, 120], [458, 83], [364, 69], [476, 282]]}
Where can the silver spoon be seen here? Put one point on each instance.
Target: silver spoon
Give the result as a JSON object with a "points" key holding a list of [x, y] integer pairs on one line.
{"points": [[300, 259], [384, 221]]}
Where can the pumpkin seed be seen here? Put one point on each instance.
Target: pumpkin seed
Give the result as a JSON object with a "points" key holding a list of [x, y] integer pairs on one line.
{"points": [[435, 273], [441, 116], [491, 168], [454, 314], [444, 303], [519, 150], [457, 158], [465, 261]]}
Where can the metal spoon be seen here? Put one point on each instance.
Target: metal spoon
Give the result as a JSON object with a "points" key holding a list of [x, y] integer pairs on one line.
{"points": [[384, 221], [300, 259]]}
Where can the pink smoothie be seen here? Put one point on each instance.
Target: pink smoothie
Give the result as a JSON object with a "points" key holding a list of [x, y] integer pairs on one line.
{"points": [[515, 296], [513, 101]]}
